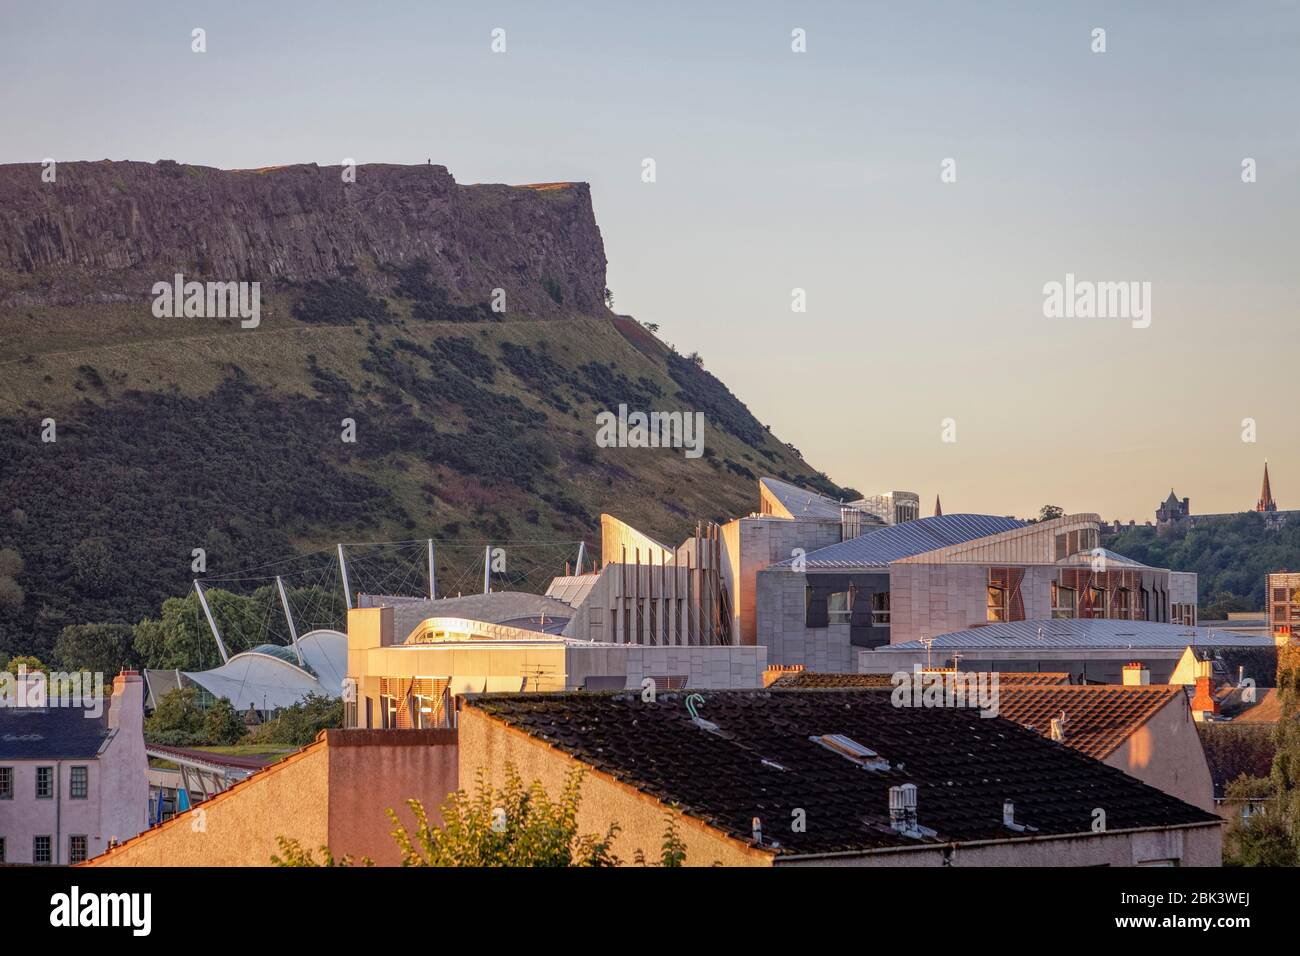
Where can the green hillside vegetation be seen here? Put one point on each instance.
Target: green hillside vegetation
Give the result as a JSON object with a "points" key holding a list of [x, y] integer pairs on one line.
{"points": [[471, 428], [1231, 556]]}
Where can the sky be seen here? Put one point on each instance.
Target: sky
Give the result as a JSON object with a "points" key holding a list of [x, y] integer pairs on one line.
{"points": [[821, 171]]}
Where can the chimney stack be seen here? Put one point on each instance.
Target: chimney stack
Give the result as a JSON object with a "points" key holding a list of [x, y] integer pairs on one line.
{"points": [[1204, 706], [1136, 674]]}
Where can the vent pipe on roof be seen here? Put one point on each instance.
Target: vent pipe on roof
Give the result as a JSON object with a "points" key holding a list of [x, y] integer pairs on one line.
{"points": [[1058, 728], [757, 825], [902, 808]]}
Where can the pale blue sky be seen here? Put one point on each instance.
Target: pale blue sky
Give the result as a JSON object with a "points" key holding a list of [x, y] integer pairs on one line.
{"points": [[820, 170]]}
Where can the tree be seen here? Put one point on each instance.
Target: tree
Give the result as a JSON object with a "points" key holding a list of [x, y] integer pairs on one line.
{"points": [[222, 724], [11, 565], [1051, 512], [295, 854], [513, 826], [32, 664], [298, 724], [177, 720], [100, 648]]}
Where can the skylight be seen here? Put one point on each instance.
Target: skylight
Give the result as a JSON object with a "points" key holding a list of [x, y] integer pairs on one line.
{"points": [[846, 746]]}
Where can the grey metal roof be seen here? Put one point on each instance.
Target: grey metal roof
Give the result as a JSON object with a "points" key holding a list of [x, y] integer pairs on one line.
{"points": [[1107, 555], [572, 589], [877, 549], [801, 502], [494, 608], [1086, 633]]}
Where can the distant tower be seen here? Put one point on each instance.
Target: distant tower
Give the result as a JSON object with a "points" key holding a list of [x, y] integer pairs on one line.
{"points": [[938, 508], [1266, 502], [1173, 510]]}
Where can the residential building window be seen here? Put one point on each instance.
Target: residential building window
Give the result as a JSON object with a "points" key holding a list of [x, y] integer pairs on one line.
{"points": [[77, 849], [44, 783], [6, 783], [1063, 601], [880, 609], [41, 849], [997, 603], [79, 783], [839, 608]]}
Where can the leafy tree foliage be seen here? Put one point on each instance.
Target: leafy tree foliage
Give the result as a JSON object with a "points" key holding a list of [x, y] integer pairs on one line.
{"points": [[177, 720], [298, 725], [222, 724], [98, 648], [295, 854]]}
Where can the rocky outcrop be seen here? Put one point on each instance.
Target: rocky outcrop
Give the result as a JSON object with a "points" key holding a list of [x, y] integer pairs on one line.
{"points": [[109, 230]]}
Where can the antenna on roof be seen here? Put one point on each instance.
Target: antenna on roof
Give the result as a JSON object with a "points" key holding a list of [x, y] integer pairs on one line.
{"points": [[288, 616], [343, 572], [207, 612], [928, 642]]}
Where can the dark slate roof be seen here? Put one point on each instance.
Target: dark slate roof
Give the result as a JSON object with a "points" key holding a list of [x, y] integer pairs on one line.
{"points": [[877, 549], [1067, 633], [761, 762], [52, 733]]}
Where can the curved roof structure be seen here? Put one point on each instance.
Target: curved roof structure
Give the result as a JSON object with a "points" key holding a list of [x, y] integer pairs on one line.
{"points": [[268, 677]]}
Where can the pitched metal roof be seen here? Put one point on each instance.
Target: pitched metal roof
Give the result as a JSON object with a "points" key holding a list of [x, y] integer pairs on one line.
{"points": [[801, 502], [757, 753], [877, 549], [1086, 633]]}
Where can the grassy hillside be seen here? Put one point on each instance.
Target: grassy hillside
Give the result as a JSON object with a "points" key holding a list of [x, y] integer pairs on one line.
{"points": [[174, 434]]}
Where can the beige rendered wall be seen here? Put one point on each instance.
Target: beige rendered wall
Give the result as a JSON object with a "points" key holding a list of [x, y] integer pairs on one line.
{"points": [[239, 827], [333, 793], [1166, 753], [486, 742]]}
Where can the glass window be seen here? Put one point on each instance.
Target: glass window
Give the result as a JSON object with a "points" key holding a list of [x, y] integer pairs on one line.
{"points": [[6, 783], [41, 849], [839, 608], [1122, 604], [1063, 601], [44, 783], [79, 783], [77, 849], [997, 604], [880, 609]]}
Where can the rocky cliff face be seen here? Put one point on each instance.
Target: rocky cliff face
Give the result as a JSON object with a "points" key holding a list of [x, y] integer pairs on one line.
{"points": [[105, 231]]}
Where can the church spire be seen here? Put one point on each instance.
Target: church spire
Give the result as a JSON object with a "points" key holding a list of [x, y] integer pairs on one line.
{"points": [[1266, 502], [938, 508]]}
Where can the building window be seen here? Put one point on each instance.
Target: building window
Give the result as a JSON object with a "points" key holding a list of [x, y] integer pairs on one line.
{"points": [[1063, 601], [1096, 602], [41, 849], [44, 783], [1122, 605], [880, 609], [6, 783], [79, 783], [997, 603], [839, 608], [77, 849]]}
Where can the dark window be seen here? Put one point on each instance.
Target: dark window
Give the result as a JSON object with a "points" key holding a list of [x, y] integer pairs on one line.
{"points": [[44, 783], [6, 783], [77, 849], [79, 783], [41, 849], [880, 609], [2, 849]]}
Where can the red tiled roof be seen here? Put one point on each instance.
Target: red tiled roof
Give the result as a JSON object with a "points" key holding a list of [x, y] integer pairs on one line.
{"points": [[1098, 717]]}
